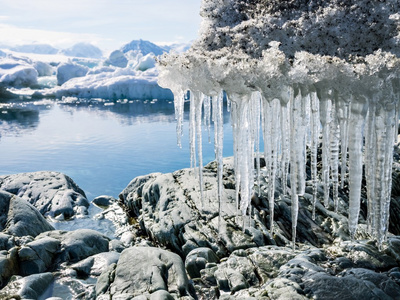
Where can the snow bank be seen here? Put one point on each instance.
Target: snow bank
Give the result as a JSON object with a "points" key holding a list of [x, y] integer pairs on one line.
{"points": [[299, 69], [17, 73]]}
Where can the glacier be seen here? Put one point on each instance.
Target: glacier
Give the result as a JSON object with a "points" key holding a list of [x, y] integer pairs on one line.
{"points": [[313, 75]]}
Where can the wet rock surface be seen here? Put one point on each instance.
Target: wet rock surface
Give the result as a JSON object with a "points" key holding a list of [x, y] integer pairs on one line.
{"points": [[52, 193], [168, 243]]}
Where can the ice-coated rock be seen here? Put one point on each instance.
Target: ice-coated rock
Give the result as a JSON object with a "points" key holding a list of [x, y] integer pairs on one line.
{"points": [[78, 244], [29, 287], [52, 193], [19, 218], [144, 270], [66, 71]]}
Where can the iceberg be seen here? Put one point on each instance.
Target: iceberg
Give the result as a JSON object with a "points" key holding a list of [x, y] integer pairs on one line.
{"points": [[309, 75], [17, 73]]}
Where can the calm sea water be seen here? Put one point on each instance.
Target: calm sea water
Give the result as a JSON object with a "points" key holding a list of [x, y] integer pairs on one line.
{"points": [[101, 145]]}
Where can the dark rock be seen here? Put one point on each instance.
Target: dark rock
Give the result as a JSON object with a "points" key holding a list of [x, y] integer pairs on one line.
{"points": [[104, 201]]}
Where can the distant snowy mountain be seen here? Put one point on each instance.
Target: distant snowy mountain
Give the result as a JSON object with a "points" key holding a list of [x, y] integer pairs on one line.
{"points": [[83, 50], [35, 48], [179, 47], [145, 47]]}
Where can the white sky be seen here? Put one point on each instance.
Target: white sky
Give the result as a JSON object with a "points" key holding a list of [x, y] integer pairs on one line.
{"points": [[106, 23]]}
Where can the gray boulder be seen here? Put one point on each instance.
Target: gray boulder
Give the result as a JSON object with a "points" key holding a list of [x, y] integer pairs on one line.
{"points": [[8, 265], [170, 210], [104, 201], [52, 193], [198, 259], [96, 264], [20, 218], [29, 287], [78, 244], [144, 271], [37, 256]]}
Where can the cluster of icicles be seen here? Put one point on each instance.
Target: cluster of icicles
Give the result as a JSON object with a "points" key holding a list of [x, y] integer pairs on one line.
{"points": [[349, 111], [357, 130]]}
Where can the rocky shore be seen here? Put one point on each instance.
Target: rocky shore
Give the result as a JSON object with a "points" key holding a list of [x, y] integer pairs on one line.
{"points": [[160, 240]]}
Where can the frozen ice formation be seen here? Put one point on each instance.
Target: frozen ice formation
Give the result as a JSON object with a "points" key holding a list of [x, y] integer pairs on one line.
{"points": [[311, 74]]}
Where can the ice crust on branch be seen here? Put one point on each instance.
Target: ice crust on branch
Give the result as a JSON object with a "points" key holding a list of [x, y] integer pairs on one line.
{"points": [[304, 72]]}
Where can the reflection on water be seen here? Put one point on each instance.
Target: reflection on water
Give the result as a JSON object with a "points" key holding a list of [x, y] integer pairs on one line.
{"points": [[101, 145]]}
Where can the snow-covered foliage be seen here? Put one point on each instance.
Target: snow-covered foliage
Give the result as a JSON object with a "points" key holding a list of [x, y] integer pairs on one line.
{"points": [[302, 71]]}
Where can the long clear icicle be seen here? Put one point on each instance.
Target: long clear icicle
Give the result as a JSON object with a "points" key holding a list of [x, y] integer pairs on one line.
{"points": [[179, 102], [217, 102], [334, 156], [297, 157], [315, 125], [325, 112], [357, 115]]}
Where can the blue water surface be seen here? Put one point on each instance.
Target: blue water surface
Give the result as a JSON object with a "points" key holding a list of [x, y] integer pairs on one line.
{"points": [[101, 145]]}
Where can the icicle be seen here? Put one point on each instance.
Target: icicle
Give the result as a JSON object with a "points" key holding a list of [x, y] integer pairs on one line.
{"points": [[343, 111], [275, 110], [217, 104], [369, 161], [285, 145], [315, 124], [357, 114], [325, 111], [256, 113], [192, 131], [207, 115], [271, 130], [179, 101], [334, 155], [297, 157], [198, 100], [244, 148], [266, 127]]}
